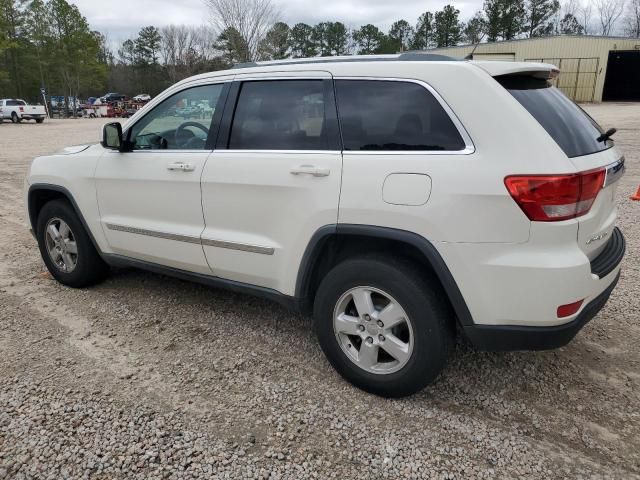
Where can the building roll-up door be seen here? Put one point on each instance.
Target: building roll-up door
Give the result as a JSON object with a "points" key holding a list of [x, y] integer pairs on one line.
{"points": [[622, 82]]}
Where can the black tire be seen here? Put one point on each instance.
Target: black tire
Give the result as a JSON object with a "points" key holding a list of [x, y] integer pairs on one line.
{"points": [[90, 268], [431, 317], [39, 120], [15, 118]]}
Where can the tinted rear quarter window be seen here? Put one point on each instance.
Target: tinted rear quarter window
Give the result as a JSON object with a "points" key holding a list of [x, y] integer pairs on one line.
{"points": [[280, 115], [393, 115], [571, 127]]}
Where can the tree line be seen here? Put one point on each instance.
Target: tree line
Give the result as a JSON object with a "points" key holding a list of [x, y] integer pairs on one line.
{"points": [[49, 43], [498, 20]]}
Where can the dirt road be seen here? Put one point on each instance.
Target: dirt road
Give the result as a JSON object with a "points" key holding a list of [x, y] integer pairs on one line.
{"points": [[146, 376]]}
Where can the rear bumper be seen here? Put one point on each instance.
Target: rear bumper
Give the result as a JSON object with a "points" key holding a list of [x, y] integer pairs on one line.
{"points": [[611, 256], [509, 338]]}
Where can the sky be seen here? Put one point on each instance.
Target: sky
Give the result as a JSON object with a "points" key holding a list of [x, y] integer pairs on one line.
{"points": [[122, 19]]}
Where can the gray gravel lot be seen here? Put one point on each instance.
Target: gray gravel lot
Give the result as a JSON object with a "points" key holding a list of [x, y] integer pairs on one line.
{"points": [[145, 376]]}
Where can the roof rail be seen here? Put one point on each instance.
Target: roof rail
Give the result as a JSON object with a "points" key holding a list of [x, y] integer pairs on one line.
{"points": [[419, 56], [245, 65], [414, 56]]}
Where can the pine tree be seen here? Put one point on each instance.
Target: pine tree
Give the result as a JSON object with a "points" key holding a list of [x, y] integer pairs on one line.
{"points": [[302, 41], [475, 28], [321, 38], [368, 38], [538, 17], [12, 41], [569, 25], [425, 36], [147, 46], [337, 38], [448, 29], [505, 19], [233, 46], [276, 44], [401, 33]]}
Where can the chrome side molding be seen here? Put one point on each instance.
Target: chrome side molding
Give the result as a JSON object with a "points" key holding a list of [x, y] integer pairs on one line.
{"points": [[153, 233], [244, 247], [238, 246]]}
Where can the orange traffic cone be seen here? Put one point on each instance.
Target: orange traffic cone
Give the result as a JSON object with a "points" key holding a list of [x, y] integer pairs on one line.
{"points": [[636, 196]]}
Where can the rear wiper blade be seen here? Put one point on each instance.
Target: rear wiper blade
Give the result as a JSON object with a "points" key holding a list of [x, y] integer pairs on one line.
{"points": [[606, 135]]}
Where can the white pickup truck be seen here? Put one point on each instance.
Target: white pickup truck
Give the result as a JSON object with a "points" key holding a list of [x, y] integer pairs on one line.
{"points": [[17, 110]]}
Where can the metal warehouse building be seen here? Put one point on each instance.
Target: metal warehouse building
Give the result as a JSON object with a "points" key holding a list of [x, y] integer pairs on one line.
{"points": [[592, 68]]}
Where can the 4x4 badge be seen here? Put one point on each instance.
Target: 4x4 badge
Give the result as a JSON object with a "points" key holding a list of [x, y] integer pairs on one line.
{"points": [[595, 238]]}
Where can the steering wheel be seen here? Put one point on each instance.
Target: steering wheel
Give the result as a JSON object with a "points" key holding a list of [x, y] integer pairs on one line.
{"points": [[181, 129]]}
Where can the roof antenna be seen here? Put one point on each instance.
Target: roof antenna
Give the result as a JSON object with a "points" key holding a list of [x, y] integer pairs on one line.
{"points": [[470, 56]]}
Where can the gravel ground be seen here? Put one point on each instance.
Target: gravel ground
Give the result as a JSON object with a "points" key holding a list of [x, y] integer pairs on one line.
{"points": [[147, 377]]}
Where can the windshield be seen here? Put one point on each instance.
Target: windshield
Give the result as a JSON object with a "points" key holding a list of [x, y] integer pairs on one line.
{"points": [[570, 126]]}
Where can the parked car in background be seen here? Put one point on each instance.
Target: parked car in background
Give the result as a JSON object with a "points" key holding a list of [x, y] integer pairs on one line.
{"points": [[143, 97], [399, 199], [17, 110], [61, 102], [113, 97], [190, 111]]}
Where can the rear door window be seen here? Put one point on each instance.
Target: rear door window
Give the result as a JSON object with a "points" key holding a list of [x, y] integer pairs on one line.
{"points": [[393, 115], [571, 127], [281, 115]]}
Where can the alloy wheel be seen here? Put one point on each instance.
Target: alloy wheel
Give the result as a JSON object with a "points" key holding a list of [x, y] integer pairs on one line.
{"points": [[61, 245], [373, 330]]}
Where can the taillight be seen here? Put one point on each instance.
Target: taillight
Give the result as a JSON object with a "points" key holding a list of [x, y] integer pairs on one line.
{"points": [[551, 198], [22, 109]]}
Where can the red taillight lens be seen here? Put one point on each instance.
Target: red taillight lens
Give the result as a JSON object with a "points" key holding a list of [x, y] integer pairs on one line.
{"points": [[551, 198], [22, 109], [569, 309]]}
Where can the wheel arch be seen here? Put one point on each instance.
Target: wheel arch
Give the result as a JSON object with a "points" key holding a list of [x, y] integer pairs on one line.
{"points": [[41, 193], [334, 243]]}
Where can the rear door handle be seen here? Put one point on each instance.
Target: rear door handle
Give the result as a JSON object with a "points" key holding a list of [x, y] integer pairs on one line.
{"points": [[310, 170], [184, 167]]}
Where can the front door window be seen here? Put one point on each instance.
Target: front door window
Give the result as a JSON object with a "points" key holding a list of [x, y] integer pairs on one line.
{"points": [[181, 122]]}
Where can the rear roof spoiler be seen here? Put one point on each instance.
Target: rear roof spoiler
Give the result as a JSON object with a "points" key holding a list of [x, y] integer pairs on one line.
{"points": [[537, 70]]}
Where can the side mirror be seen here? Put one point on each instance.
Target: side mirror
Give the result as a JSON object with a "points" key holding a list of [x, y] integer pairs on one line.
{"points": [[112, 136]]}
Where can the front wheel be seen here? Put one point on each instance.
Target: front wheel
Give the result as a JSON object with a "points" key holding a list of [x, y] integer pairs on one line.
{"points": [[15, 118], [66, 247], [383, 326]]}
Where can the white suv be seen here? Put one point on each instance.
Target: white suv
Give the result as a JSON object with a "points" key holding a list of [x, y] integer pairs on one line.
{"points": [[399, 198]]}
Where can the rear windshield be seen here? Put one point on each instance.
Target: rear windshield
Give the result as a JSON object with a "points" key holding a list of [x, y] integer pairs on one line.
{"points": [[15, 103], [570, 126]]}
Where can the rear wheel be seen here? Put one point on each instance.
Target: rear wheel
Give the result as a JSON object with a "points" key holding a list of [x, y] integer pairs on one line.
{"points": [[382, 326], [15, 118], [39, 120], [66, 248]]}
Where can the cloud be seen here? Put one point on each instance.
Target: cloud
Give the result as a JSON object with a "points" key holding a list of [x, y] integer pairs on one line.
{"points": [[353, 13], [120, 20]]}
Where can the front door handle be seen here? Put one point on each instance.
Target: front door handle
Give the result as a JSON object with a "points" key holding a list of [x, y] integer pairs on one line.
{"points": [[310, 170], [184, 167]]}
